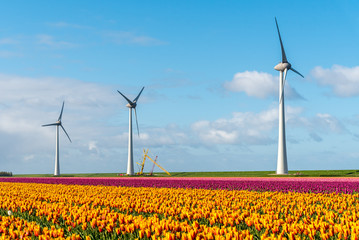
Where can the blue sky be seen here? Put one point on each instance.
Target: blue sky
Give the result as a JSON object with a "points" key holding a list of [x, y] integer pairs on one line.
{"points": [[211, 94]]}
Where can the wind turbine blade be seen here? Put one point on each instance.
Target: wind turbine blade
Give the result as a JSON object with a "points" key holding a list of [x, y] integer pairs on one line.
{"points": [[284, 81], [65, 132], [284, 58], [62, 109], [51, 124], [297, 72], [135, 100], [138, 131], [128, 100]]}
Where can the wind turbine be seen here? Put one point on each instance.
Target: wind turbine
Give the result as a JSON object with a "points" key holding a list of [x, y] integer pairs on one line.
{"points": [[57, 124], [282, 67], [130, 105]]}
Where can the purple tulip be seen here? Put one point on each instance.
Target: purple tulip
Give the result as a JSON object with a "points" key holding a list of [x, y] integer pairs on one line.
{"points": [[317, 185]]}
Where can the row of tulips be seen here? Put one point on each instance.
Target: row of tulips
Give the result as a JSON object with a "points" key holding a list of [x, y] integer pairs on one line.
{"points": [[17, 228], [109, 212], [317, 185]]}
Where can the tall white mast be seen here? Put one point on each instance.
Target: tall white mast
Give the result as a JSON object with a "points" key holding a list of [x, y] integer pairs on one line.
{"points": [[58, 124], [282, 165], [130, 105], [57, 162], [282, 67], [130, 170]]}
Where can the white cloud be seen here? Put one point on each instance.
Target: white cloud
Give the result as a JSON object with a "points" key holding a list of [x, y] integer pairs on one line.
{"points": [[9, 54], [328, 123], [255, 84], [261, 128], [96, 120], [8, 41], [68, 25], [29, 157], [344, 81], [321, 123], [170, 135], [48, 40], [258, 84], [92, 146], [94, 116], [27, 103], [121, 37], [246, 128]]}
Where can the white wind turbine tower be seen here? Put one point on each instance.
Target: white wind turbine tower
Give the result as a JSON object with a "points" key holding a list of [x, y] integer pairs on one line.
{"points": [[57, 124], [282, 67], [130, 105]]}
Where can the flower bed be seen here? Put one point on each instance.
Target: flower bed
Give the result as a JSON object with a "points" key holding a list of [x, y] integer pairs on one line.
{"points": [[317, 185], [57, 211]]}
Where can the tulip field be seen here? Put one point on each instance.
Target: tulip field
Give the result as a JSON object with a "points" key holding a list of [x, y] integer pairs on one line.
{"points": [[179, 208]]}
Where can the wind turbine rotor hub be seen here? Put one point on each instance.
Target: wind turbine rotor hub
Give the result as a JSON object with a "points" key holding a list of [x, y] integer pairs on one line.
{"points": [[132, 105], [282, 66]]}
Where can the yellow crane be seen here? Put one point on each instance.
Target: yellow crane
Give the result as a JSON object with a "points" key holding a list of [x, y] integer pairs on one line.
{"points": [[143, 161], [145, 155]]}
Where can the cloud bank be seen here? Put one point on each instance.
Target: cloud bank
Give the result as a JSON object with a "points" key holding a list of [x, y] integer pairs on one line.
{"points": [[343, 81], [122, 37], [259, 85], [96, 120]]}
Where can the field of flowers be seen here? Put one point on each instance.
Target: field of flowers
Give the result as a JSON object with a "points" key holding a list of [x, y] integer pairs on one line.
{"points": [[168, 208]]}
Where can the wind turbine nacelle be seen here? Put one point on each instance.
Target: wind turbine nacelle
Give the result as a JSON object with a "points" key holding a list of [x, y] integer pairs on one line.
{"points": [[133, 105], [282, 66]]}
